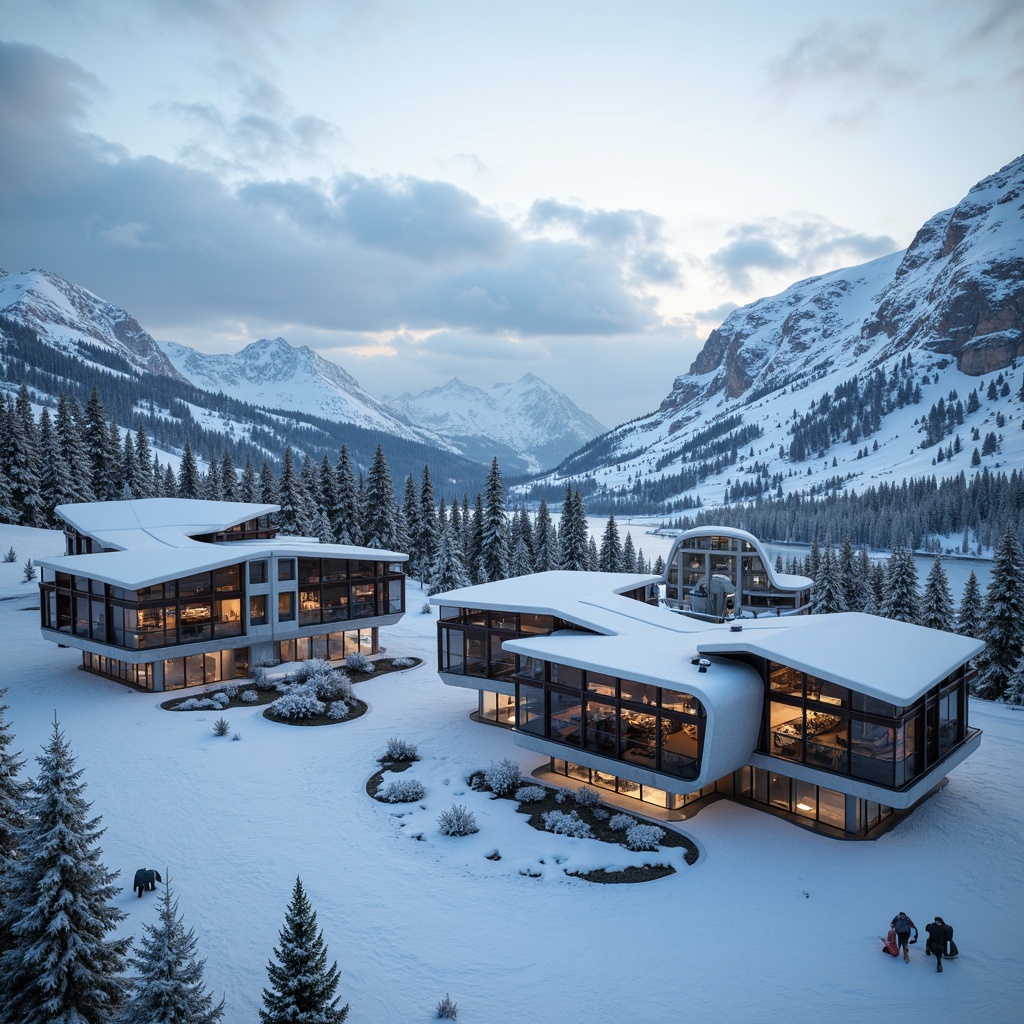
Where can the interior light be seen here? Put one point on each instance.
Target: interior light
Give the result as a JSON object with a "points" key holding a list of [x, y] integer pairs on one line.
{"points": [[804, 807]]}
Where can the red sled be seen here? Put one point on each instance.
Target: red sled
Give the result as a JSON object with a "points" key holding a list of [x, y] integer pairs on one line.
{"points": [[889, 944]]}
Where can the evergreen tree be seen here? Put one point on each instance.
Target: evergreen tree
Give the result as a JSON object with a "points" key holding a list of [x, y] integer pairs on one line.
{"points": [[1002, 620], [170, 484], [213, 485], [21, 461], [901, 599], [610, 557], [827, 592], [1015, 684], [328, 490], [228, 477], [73, 448], [659, 567], [381, 527], [116, 482], [411, 508], [494, 538], [593, 557], [937, 601], [189, 481], [54, 475], [449, 570], [169, 986], [302, 985], [347, 519], [850, 579], [13, 796], [268, 485], [311, 502], [292, 516], [428, 528], [547, 554], [629, 556], [142, 486], [250, 487], [573, 534], [61, 968], [475, 543], [968, 619]]}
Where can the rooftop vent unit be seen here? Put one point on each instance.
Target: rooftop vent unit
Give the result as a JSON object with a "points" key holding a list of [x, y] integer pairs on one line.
{"points": [[702, 665], [737, 628]]}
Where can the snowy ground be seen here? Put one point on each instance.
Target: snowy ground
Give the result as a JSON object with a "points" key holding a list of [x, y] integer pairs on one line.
{"points": [[772, 924]]}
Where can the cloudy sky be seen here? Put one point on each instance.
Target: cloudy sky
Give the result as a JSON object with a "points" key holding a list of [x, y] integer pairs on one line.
{"points": [[457, 187]]}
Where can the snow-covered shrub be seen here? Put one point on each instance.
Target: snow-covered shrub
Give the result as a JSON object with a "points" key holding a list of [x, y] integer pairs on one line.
{"points": [[503, 776], [402, 791], [231, 690], [335, 687], [313, 668], [530, 794], [570, 824], [250, 696], [400, 750], [220, 698], [237, 736], [192, 704], [562, 795], [601, 814], [12, 555], [457, 821], [221, 727], [28, 571], [446, 1009], [426, 610], [338, 710], [298, 702], [643, 837], [258, 674], [356, 662], [403, 662], [621, 822], [587, 797]]}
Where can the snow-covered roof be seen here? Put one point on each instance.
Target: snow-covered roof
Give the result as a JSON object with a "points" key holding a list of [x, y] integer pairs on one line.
{"points": [[154, 542], [893, 661], [782, 580]]}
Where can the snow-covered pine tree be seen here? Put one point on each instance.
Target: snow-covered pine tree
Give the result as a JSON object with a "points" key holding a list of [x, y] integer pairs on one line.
{"points": [[628, 561], [475, 542], [659, 566], [609, 558], [13, 796], [168, 987], [937, 601], [268, 484], [291, 497], [411, 508], [190, 484], [61, 967], [347, 514], [573, 535], [228, 476], [593, 556], [130, 469], [302, 985], [74, 449], [849, 574], [170, 484], [381, 526], [428, 527], [494, 537], [213, 485], [1015, 684], [901, 598], [968, 618], [21, 459], [1002, 620], [54, 472], [546, 555], [250, 487], [827, 592], [521, 532]]}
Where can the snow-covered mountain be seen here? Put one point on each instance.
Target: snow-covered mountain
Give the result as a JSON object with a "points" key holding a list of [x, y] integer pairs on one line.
{"points": [[837, 380], [73, 320], [527, 423], [277, 375]]}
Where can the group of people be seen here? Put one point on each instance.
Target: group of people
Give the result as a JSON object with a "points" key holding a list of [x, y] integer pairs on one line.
{"points": [[939, 944]]}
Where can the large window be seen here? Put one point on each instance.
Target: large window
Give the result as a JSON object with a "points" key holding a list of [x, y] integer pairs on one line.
{"points": [[470, 639], [623, 719], [337, 589], [819, 723]]}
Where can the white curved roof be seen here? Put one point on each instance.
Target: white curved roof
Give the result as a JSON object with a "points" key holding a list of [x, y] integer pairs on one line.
{"points": [[782, 580]]}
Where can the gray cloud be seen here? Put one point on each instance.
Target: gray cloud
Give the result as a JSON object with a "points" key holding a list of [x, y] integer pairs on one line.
{"points": [[799, 247], [834, 53], [177, 246]]}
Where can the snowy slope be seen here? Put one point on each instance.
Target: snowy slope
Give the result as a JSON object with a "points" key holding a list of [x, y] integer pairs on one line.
{"points": [[953, 302], [408, 920], [277, 375], [528, 418], [65, 315]]}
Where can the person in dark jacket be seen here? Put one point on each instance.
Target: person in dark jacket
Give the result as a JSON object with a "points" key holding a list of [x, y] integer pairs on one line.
{"points": [[939, 933], [903, 926]]}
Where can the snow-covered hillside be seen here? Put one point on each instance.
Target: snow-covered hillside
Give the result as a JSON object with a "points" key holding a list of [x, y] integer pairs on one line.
{"points": [[528, 420], [838, 375], [276, 375], [73, 320]]}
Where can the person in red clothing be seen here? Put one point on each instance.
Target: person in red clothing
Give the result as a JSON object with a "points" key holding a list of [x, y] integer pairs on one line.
{"points": [[903, 926]]}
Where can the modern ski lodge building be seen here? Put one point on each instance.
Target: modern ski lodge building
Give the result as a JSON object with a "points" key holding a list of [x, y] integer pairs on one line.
{"points": [[164, 593], [843, 723]]}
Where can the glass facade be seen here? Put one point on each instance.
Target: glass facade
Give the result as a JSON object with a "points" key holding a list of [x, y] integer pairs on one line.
{"points": [[335, 590], [655, 728], [211, 667], [329, 646], [469, 640], [626, 787], [194, 609], [137, 675], [835, 729]]}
